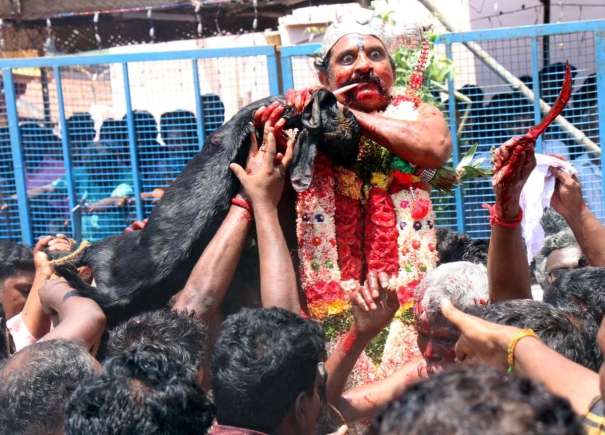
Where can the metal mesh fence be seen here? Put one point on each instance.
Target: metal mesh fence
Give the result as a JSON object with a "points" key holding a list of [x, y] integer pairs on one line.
{"points": [[126, 124], [124, 132], [499, 112]]}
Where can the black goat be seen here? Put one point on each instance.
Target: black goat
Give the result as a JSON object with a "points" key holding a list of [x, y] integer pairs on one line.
{"points": [[141, 270]]}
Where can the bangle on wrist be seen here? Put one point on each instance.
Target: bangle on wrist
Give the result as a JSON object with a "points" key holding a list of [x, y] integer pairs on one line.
{"points": [[503, 222], [427, 175], [245, 205], [513, 344]]}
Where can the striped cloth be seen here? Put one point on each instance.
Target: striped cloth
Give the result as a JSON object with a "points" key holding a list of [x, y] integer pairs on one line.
{"points": [[594, 418]]}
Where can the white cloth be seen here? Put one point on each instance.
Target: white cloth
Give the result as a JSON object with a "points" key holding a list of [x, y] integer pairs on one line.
{"points": [[535, 196], [18, 330]]}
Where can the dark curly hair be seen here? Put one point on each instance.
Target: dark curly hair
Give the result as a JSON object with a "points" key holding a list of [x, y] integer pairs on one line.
{"points": [[183, 337], [477, 400], [583, 288], [564, 329], [263, 359], [451, 246], [141, 391]]}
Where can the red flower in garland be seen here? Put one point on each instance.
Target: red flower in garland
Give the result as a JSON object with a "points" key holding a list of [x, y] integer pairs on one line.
{"points": [[407, 293], [324, 291], [349, 232], [381, 234], [420, 208], [323, 165]]}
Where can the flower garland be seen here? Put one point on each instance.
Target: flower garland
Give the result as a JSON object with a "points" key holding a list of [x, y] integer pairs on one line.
{"points": [[315, 228], [375, 215], [394, 224]]}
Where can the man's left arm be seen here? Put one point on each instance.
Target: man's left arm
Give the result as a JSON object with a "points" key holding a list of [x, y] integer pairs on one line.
{"points": [[76, 318], [425, 142]]}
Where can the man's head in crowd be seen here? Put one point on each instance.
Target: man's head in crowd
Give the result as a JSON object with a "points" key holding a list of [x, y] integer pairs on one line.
{"points": [[355, 50], [451, 245], [476, 251], [552, 222], [463, 283], [178, 129], [564, 330], [477, 400], [560, 254], [582, 288], [183, 337], [16, 276], [36, 383], [142, 391], [265, 374]]}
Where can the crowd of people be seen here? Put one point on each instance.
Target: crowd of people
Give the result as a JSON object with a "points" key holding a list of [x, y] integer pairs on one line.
{"points": [[102, 168], [504, 347]]}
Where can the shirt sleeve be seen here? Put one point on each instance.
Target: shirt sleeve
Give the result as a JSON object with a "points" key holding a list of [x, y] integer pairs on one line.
{"points": [[123, 190]]}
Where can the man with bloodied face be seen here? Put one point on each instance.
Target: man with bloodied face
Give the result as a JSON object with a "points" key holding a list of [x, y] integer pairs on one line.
{"points": [[403, 142], [357, 51], [465, 284]]}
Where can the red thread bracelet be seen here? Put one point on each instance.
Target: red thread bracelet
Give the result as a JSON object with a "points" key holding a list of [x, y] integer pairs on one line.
{"points": [[503, 222], [245, 205]]}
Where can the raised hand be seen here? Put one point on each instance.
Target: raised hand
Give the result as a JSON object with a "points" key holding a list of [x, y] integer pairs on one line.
{"points": [[374, 304], [271, 116], [300, 98], [567, 197], [263, 181], [479, 340], [508, 156], [60, 243]]}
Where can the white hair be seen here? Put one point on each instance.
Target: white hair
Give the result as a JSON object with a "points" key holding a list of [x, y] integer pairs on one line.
{"points": [[461, 282]]}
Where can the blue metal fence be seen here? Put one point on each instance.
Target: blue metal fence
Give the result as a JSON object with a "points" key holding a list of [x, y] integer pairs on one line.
{"points": [[95, 139], [89, 142], [499, 111]]}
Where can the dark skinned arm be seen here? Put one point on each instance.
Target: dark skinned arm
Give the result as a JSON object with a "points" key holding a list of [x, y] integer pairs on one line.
{"points": [[208, 283], [507, 269], [361, 403], [33, 316], [425, 142], [567, 200], [210, 279], [75, 318], [488, 343], [373, 307], [279, 287]]}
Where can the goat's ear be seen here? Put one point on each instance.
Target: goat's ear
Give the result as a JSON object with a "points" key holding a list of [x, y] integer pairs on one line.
{"points": [[303, 160]]}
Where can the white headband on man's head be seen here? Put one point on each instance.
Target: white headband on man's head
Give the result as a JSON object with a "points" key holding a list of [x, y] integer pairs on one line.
{"points": [[365, 22]]}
